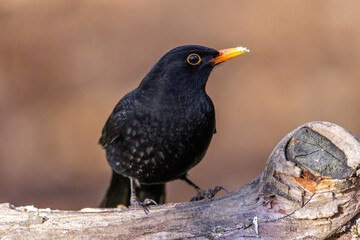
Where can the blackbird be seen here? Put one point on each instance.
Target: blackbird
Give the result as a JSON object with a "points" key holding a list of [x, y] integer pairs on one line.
{"points": [[159, 131]]}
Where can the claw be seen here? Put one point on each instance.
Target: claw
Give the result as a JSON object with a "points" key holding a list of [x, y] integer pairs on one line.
{"points": [[197, 198], [143, 205], [209, 195], [148, 201], [212, 192]]}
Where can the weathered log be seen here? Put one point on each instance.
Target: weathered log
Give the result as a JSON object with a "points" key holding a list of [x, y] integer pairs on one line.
{"points": [[309, 190]]}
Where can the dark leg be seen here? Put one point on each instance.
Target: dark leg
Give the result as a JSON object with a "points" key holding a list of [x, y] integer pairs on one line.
{"points": [[132, 192], [202, 193], [133, 199]]}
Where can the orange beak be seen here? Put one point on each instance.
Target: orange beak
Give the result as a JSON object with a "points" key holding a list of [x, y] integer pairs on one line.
{"points": [[229, 53]]}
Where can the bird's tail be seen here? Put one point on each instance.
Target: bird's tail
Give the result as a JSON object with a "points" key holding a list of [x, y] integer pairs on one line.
{"points": [[118, 192]]}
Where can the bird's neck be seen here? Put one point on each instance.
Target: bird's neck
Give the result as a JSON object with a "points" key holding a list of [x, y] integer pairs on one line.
{"points": [[158, 97], [177, 91]]}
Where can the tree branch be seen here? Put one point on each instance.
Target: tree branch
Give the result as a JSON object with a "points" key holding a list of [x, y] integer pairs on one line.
{"points": [[308, 190]]}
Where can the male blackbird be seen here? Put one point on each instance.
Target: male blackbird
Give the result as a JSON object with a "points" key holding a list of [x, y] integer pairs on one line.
{"points": [[160, 130]]}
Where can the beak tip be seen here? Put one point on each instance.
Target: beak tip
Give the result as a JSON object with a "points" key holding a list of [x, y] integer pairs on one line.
{"points": [[242, 49]]}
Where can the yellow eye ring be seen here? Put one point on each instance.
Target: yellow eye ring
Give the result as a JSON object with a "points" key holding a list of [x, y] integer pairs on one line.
{"points": [[193, 59]]}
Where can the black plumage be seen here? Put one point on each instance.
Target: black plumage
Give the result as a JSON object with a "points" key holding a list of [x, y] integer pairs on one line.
{"points": [[160, 130]]}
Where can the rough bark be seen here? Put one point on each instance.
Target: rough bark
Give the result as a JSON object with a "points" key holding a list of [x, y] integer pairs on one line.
{"points": [[308, 190]]}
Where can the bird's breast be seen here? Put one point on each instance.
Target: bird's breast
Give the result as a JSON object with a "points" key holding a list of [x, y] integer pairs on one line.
{"points": [[161, 145]]}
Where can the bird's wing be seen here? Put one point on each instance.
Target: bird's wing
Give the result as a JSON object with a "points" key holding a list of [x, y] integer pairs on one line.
{"points": [[114, 126], [215, 130]]}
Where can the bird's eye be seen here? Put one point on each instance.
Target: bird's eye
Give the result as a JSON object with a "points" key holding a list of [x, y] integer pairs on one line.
{"points": [[193, 59]]}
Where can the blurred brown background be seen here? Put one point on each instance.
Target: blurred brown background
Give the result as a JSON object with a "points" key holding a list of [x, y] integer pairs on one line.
{"points": [[65, 64]]}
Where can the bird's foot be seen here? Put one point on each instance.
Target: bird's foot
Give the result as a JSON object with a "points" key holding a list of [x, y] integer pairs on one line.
{"points": [[209, 194], [143, 205]]}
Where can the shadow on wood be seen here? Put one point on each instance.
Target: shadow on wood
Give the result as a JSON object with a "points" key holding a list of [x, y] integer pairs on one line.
{"points": [[308, 190]]}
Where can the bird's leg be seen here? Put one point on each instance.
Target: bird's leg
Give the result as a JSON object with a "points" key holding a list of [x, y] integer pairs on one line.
{"points": [[202, 193], [134, 201]]}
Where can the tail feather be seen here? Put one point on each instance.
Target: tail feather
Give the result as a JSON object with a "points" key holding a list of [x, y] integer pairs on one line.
{"points": [[118, 192]]}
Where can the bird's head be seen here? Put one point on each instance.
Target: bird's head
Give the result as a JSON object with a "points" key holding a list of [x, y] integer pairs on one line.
{"points": [[186, 68]]}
